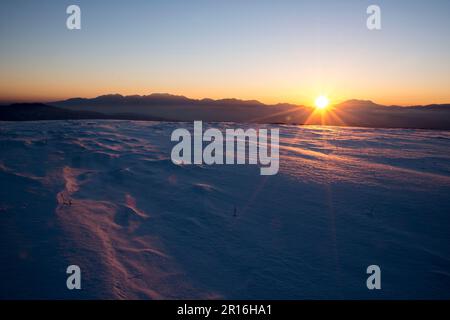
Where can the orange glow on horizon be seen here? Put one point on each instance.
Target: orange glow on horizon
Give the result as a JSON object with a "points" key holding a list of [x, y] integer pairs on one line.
{"points": [[43, 92]]}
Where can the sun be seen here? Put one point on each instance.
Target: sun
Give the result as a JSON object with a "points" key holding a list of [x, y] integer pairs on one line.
{"points": [[322, 102]]}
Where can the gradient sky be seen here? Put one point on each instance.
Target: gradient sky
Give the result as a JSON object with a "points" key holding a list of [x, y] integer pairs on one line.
{"points": [[273, 51]]}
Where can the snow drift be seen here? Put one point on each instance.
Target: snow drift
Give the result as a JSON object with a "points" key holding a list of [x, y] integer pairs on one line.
{"points": [[105, 195]]}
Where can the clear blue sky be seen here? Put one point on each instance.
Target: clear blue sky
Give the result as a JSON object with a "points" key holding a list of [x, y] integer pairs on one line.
{"points": [[283, 50]]}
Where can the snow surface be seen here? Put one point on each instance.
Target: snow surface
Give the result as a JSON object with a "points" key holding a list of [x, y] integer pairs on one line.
{"points": [[105, 195]]}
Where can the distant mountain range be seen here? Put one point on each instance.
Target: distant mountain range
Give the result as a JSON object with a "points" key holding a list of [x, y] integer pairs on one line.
{"points": [[166, 107]]}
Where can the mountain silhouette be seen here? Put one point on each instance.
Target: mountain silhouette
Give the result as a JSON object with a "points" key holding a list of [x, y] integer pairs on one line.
{"points": [[167, 107]]}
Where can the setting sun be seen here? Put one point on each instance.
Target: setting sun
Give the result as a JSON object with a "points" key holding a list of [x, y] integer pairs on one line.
{"points": [[322, 102]]}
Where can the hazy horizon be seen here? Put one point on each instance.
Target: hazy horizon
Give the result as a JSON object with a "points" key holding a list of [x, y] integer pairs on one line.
{"points": [[309, 104]]}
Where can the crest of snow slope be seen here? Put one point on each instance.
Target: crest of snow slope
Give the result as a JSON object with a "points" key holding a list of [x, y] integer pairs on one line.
{"points": [[105, 195]]}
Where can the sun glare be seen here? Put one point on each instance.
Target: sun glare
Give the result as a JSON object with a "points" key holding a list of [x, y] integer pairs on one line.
{"points": [[322, 102]]}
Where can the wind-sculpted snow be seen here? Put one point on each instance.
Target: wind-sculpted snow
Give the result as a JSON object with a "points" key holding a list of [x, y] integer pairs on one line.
{"points": [[105, 195]]}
